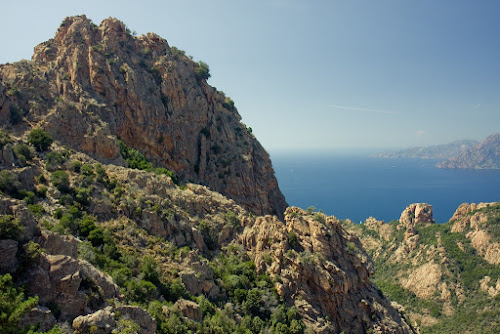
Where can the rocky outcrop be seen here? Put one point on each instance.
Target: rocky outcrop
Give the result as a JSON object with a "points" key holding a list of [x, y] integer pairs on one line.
{"points": [[323, 271], [105, 320], [473, 220], [485, 155], [189, 309], [417, 213], [40, 317], [57, 281], [57, 244], [90, 85], [107, 288]]}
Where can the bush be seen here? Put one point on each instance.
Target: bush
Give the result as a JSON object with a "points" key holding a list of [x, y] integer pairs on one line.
{"points": [[293, 241], [228, 104], [15, 115], [76, 166], [36, 209], [40, 139], [9, 182], [139, 291], [60, 180], [56, 159], [4, 139], [12, 305], [202, 71], [22, 152], [10, 227]]}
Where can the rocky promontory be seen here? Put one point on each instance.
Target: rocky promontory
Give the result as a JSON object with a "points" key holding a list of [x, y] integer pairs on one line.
{"points": [[485, 155]]}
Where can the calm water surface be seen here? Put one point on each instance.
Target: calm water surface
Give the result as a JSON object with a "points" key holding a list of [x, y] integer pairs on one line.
{"points": [[356, 187]]}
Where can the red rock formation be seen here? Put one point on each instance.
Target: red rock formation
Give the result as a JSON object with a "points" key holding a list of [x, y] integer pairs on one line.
{"points": [[92, 84]]}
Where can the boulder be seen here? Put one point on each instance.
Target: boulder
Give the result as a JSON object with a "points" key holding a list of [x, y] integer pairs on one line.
{"points": [[39, 316], [417, 213], [107, 288], [57, 244], [189, 309], [100, 322]]}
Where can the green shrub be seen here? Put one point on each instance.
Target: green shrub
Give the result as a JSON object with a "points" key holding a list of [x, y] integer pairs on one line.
{"points": [[41, 191], [13, 306], [82, 195], [139, 291], [40, 139], [9, 182], [228, 104], [208, 234], [202, 71], [60, 180], [22, 152], [76, 166], [27, 196], [10, 228], [36, 209], [32, 251], [293, 241], [16, 114], [87, 170], [56, 159], [4, 139], [134, 158], [177, 53], [232, 219]]}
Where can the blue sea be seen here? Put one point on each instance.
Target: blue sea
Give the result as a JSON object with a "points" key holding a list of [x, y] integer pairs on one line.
{"points": [[357, 186]]}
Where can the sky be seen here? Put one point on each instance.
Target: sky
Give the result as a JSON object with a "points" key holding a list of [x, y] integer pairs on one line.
{"points": [[319, 74]]}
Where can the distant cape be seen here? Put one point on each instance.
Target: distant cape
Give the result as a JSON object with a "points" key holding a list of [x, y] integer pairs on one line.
{"points": [[444, 151], [485, 155]]}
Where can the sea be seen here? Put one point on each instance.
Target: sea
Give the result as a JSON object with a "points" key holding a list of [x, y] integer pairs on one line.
{"points": [[357, 185]]}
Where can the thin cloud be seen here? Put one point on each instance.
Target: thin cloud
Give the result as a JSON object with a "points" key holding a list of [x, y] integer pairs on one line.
{"points": [[476, 106], [377, 111], [420, 133]]}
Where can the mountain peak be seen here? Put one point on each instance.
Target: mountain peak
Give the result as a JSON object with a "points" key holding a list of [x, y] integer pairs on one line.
{"points": [[97, 84]]}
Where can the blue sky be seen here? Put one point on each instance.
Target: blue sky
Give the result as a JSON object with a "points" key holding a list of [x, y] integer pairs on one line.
{"points": [[315, 75]]}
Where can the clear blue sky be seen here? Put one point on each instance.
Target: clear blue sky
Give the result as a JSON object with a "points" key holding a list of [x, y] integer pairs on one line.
{"points": [[318, 74]]}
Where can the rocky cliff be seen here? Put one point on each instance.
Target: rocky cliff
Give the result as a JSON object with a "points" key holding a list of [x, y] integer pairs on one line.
{"points": [[91, 85], [88, 240], [485, 155], [97, 237], [445, 276]]}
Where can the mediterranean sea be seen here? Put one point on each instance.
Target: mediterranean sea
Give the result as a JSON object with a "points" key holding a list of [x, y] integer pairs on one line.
{"points": [[357, 186]]}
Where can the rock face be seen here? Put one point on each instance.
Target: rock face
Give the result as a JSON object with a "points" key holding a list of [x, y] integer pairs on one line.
{"points": [[473, 220], [440, 273], [417, 213], [90, 85], [323, 271], [483, 155]]}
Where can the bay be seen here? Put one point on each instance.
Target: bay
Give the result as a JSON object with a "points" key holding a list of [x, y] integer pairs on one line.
{"points": [[357, 186]]}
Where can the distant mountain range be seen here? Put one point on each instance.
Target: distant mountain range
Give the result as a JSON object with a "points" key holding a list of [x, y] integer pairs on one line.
{"points": [[444, 151], [485, 155], [457, 154]]}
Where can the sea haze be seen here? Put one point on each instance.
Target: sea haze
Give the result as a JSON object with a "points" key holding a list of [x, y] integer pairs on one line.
{"points": [[358, 186]]}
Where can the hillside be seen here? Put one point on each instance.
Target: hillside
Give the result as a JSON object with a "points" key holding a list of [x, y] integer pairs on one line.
{"points": [[91, 85], [446, 277], [485, 155], [101, 230], [444, 151]]}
